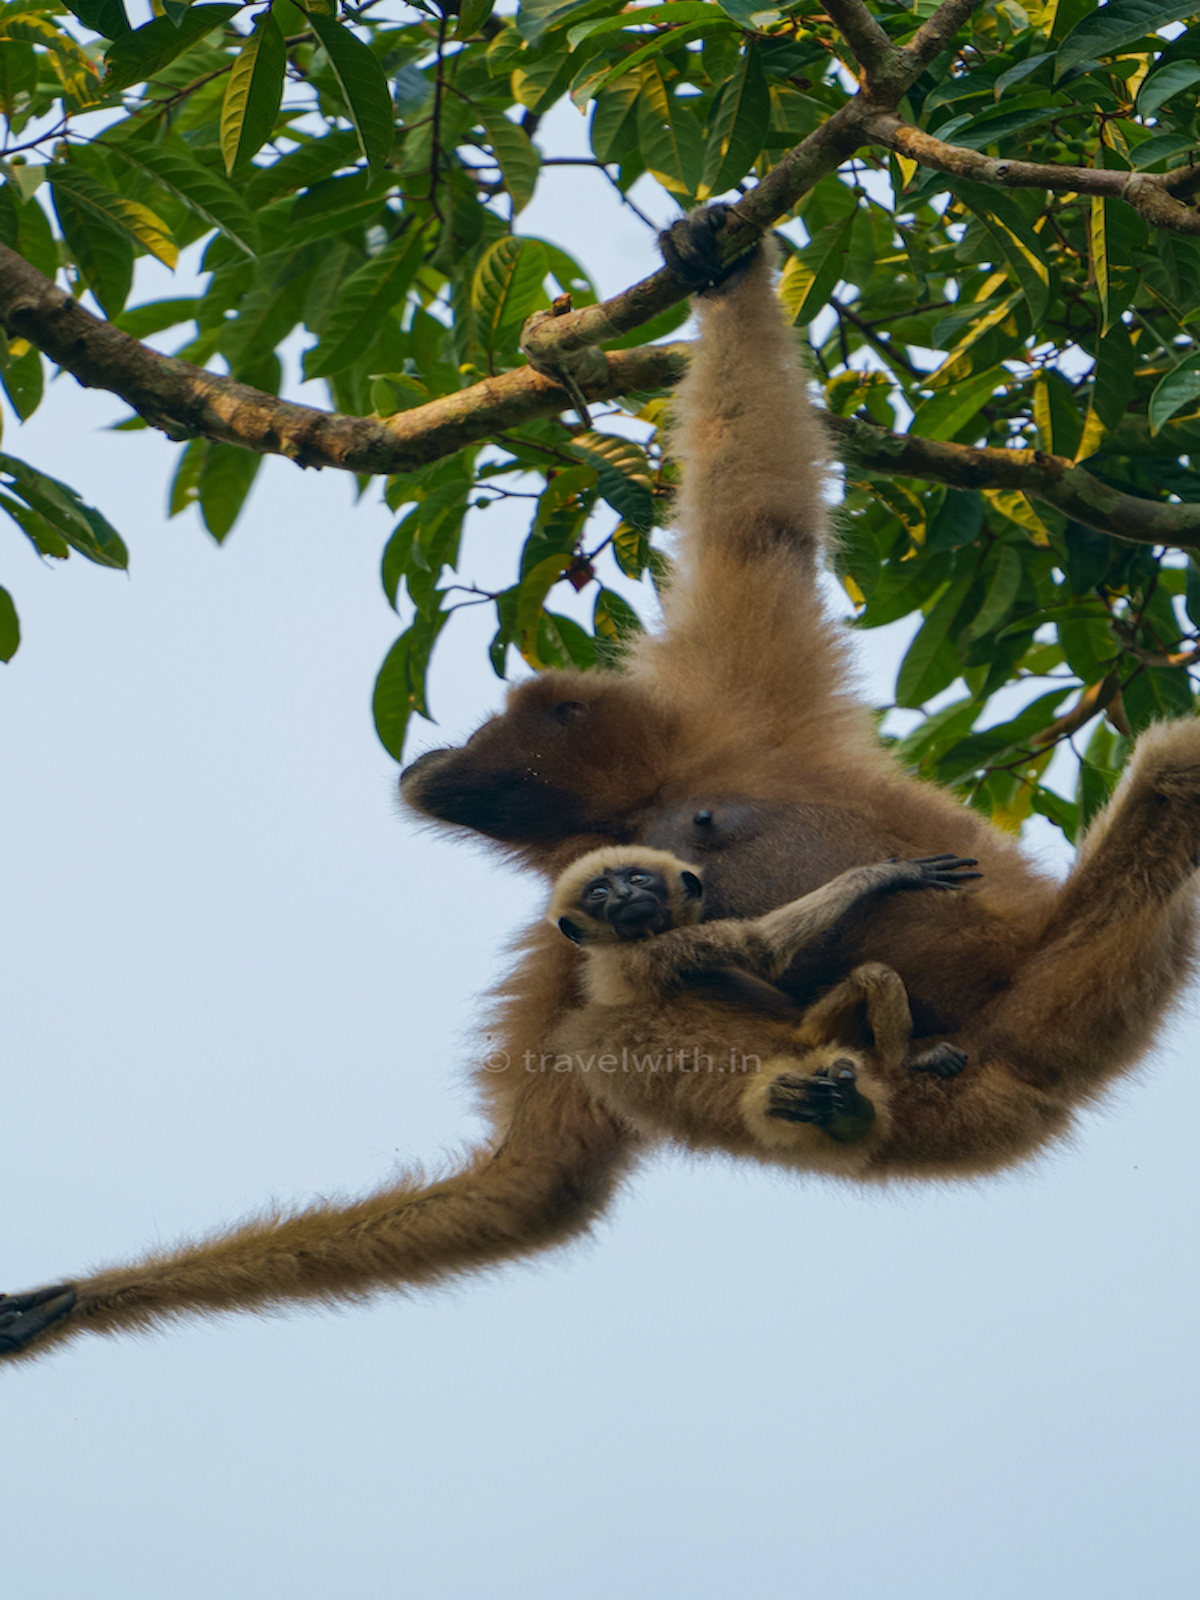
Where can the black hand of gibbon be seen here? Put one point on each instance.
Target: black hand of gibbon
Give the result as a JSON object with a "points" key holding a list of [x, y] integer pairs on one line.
{"points": [[940, 872], [24, 1316], [691, 248]]}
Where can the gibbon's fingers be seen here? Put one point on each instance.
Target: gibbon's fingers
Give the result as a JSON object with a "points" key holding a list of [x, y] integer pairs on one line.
{"points": [[691, 248], [24, 1316], [943, 872], [943, 1061]]}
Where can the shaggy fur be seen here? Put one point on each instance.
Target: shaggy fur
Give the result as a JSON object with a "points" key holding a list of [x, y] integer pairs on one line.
{"points": [[733, 740]]}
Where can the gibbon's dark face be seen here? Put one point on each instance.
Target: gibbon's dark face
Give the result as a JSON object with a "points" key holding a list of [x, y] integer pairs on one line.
{"points": [[634, 901]]}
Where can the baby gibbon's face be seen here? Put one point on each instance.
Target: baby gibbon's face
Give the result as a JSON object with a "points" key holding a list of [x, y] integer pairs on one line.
{"points": [[633, 901], [628, 901]]}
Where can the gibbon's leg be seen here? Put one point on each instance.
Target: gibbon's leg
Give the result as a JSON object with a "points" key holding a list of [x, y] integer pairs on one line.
{"points": [[550, 1177], [1120, 941]]}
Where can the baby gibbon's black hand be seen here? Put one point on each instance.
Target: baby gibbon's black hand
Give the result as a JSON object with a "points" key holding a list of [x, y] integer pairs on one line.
{"points": [[24, 1316]]}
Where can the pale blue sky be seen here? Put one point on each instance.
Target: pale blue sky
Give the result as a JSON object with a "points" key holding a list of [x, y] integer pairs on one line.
{"points": [[232, 972]]}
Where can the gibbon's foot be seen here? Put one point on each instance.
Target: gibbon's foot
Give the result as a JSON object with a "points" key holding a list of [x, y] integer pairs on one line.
{"points": [[24, 1316], [829, 1097], [943, 1061], [691, 249], [941, 872]]}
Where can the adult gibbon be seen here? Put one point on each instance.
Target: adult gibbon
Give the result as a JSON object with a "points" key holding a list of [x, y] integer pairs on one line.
{"points": [[682, 1033], [732, 738]]}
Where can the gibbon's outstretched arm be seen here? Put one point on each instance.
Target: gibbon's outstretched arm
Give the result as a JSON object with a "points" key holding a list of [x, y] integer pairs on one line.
{"points": [[545, 1181]]}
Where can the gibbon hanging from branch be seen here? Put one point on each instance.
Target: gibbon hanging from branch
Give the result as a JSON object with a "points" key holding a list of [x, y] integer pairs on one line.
{"points": [[732, 739]]}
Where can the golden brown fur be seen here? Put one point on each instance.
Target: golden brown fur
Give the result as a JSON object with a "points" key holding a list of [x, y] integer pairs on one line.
{"points": [[739, 708], [667, 1051]]}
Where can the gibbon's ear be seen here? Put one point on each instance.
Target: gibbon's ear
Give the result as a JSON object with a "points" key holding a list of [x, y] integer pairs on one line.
{"points": [[572, 930], [571, 711], [692, 887]]}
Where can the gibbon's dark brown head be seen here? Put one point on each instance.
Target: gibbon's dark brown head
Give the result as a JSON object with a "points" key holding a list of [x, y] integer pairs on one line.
{"points": [[572, 753], [622, 894]]}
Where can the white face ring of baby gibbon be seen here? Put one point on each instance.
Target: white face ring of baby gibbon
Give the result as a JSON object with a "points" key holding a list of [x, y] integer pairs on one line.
{"points": [[618, 896]]}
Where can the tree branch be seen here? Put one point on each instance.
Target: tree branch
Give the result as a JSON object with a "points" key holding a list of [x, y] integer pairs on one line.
{"points": [[872, 48], [186, 401], [932, 37], [1054, 479], [1148, 193]]}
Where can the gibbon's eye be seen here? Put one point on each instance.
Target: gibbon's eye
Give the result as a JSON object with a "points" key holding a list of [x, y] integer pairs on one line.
{"points": [[639, 879], [596, 891], [570, 711]]}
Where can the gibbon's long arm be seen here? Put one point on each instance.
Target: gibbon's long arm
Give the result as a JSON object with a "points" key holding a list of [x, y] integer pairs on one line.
{"points": [[767, 945], [548, 1178]]}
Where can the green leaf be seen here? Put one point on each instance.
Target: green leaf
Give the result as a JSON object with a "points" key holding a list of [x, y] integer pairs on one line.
{"points": [[135, 221], [1156, 694], [737, 130], [1177, 389], [226, 474], [363, 86], [10, 627], [1056, 412], [516, 157], [931, 662], [105, 17], [81, 525], [675, 12], [614, 119], [1093, 791], [672, 39], [669, 137], [364, 298], [622, 475], [103, 254], [253, 93], [391, 702], [616, 624], [1021, 248], [812, 274], [952, 408], [210, 196], [1113, 383], [472, 16], [138, 55], [1001, 592], [956, 522], [142, 321], [1110, 28], [24, 380], [1167, 81], [18, 74], [507, 287]]}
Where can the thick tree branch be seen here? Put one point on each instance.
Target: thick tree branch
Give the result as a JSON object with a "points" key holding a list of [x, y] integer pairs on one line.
{"points": [[185, 400], [1054, 479], [1148, 193]]}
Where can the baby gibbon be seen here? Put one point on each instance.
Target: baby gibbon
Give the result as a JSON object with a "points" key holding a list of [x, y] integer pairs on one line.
{"points": [[683, 1033], [732, 737]]}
